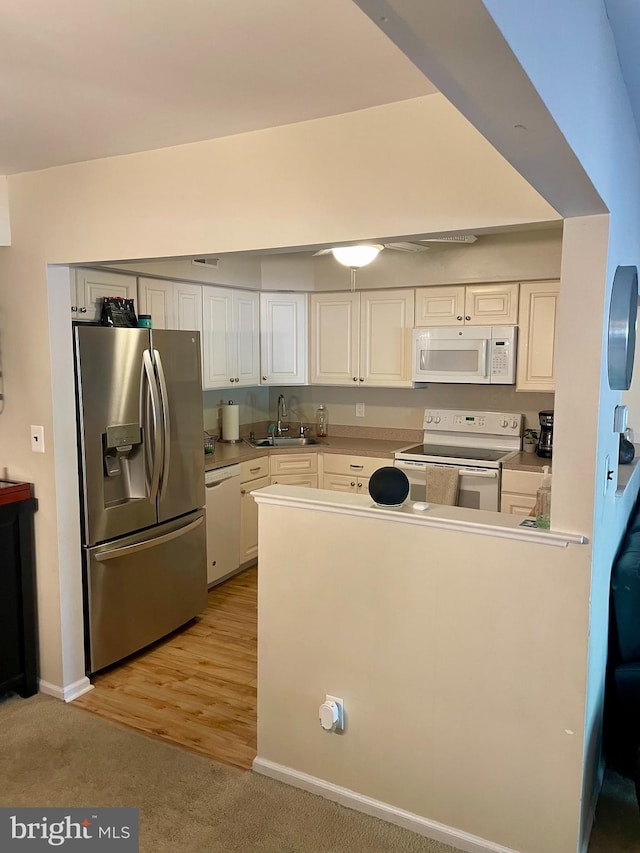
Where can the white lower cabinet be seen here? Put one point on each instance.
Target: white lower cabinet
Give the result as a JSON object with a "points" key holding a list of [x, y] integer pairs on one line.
{"points": [[254, 474], [519, 489], [295, 469], [344, 473]]}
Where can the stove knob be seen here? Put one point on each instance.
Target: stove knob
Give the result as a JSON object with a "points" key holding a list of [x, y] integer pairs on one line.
{"points": [[504, 423], [514, 424], [429, 419]]}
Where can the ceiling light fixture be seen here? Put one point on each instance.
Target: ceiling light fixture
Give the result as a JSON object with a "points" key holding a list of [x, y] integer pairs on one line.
{"points": [[355, 257]]}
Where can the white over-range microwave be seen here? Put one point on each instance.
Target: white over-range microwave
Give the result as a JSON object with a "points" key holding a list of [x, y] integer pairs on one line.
{"points": [[478, 355]]}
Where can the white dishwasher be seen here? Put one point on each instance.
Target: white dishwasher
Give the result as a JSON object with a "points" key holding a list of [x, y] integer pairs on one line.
{"points": [[223, 522]]}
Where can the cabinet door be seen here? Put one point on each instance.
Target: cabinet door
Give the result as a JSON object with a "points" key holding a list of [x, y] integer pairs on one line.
{"points": [[517, 504], [440, 306], [93, 285], [249, 519], [386, 321], [187, 303], [156, 297], [245, 338], [334, 332], [536, 339], [491, 305], [283, 338], [216, 338], [339, 482]]}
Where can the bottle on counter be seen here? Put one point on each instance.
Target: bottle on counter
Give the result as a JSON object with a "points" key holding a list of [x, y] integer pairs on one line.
{"points": [[322, 422], [543, 500]]}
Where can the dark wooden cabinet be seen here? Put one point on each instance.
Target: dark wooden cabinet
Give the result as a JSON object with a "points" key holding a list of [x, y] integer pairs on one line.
{"points": [[18, 638]]}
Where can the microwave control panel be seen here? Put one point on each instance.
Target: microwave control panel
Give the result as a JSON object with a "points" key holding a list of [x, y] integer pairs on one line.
{"points": [[503, 362]]}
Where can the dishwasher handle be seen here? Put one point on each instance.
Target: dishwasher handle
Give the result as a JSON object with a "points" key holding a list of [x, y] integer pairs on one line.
{"points": [[218, 476]]}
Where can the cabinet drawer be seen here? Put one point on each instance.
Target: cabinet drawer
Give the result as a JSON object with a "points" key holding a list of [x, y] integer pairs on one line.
{"points": [[308, 480], [253, 468], [517, 504], [294, 463], [521, 482], [356, 466]]}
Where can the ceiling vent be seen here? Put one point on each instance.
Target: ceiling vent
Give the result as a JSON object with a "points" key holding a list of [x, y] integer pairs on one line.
{"points": [[206, 262]]}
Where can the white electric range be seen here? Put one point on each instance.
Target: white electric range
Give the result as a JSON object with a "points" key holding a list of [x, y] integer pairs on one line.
{"points": [[476, 443]]}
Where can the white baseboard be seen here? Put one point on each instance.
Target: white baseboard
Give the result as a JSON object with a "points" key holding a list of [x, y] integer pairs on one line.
{"points": [[68, 693], [352, 800]]}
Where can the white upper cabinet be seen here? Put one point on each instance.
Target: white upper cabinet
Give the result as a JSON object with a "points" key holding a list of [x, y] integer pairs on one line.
{"points": [[89, 287], [230, 337], [537, 333], [471, 305], [171, 304], [283, 338], [335, 338], [362, 338]]}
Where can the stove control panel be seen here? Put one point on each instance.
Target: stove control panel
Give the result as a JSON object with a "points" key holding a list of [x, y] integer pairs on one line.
{"points": [[483, 423]]}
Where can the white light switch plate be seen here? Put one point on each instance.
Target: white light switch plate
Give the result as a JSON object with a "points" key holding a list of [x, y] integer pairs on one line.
{"points": [[37, 439], [359, 410]]}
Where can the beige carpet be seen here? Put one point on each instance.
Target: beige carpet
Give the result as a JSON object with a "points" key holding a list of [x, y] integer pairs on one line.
{"points": [[52, 754]]}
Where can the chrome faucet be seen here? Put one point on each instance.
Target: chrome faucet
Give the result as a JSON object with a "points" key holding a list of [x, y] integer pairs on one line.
{"points": [[282, 414]]}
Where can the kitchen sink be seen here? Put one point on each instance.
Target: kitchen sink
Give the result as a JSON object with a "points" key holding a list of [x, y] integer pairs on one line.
{"points": [[282, 441]]}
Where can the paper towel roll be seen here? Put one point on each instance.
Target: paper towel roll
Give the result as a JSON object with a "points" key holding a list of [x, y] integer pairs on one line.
{"points": [[231, 422]]}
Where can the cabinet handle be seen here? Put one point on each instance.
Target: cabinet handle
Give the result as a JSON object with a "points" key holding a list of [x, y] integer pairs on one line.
{"points": [[74, 308], [231, 379], [264, 378], [237, 379], [355, 378], [243, 491], [459, 317], [362, 379], [359, 485], [357, 467], [253, 470], [352, 483], [467, 317], [83, 310]]}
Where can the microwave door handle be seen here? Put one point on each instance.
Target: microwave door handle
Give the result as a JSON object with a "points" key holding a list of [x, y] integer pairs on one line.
{"points": [[151, 436], [165, 424], [485, 358]]}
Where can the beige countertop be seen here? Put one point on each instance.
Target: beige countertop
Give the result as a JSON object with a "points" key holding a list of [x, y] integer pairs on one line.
{"points": [[230, 454], [526, 462]]}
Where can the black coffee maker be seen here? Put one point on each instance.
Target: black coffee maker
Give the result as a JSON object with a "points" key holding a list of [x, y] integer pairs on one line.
{"points": [[545, 441]]}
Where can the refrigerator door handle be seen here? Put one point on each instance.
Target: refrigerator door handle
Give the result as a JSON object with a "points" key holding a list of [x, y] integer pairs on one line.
{"points": [[166, 424], [152, 441], [114, 553]]}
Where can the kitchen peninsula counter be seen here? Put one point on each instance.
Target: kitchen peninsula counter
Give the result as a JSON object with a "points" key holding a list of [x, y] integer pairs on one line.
{"points": [[457, 641]]}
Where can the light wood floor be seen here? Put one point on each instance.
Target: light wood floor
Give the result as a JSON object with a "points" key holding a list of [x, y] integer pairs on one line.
{"points": [[196, 688]]}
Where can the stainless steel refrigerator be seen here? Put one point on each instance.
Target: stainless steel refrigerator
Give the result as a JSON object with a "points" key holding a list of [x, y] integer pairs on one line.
{"points": [[139, 405]]}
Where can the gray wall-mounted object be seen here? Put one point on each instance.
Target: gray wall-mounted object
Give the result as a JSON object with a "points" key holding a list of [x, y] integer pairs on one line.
{"points": [[621, 343]]}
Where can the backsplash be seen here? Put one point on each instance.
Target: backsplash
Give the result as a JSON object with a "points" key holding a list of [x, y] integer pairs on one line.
{"points": [[403, 408], [389, 412]]}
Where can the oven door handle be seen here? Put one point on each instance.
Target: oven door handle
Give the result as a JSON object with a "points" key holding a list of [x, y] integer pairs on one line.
{"points": [[472, 472]]}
